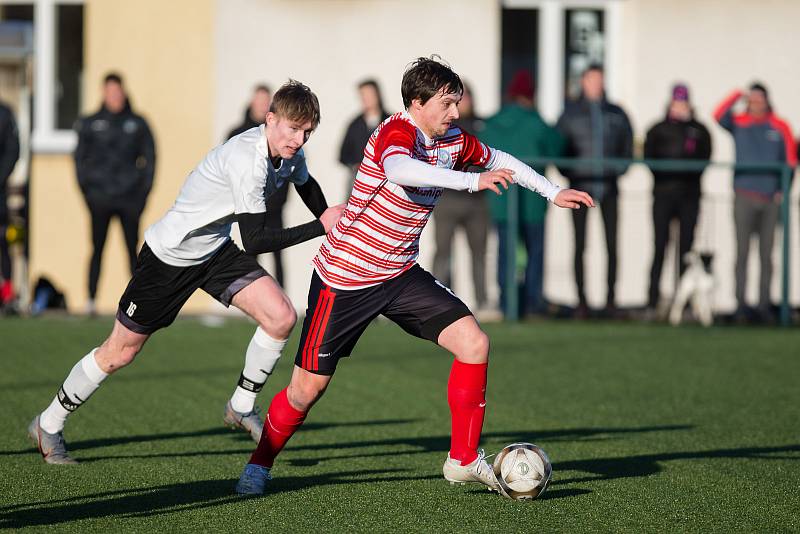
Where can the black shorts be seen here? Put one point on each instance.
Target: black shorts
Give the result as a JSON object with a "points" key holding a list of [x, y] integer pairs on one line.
{"points": [[336, 318], [157, 291]]}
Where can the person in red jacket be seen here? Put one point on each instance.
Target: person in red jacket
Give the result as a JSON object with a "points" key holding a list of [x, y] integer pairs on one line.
{"points": [[761, 138]]}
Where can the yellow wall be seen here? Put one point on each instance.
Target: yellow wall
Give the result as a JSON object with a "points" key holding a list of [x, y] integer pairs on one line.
{"points": [[164, 52]]}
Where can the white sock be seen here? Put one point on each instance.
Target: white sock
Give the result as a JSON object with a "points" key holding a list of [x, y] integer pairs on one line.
{"points": [[262, 355], [82, 381]]}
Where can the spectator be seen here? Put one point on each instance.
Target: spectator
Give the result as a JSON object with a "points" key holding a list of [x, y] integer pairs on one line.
{"points": [[254, 115], [115, 163], [9, 154], [595, 128], [358, 131], [676, 194], [519, 130], [468, 211], [760, 137]]}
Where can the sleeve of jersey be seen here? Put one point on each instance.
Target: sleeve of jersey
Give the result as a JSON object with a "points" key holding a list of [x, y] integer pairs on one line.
{"points": [[300, 174], [524, 176], [409, 172], [396, 138], [473, 153]]}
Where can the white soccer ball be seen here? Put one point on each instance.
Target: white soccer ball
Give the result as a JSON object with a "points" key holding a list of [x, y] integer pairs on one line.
{"points": [[523, 471]]}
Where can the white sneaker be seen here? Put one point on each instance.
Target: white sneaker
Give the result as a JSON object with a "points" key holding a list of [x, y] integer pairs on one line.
{"points": [[479, 471]]}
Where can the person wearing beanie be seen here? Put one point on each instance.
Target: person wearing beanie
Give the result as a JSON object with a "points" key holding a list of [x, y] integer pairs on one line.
{"points": [[676, 194], [760, 137], [519, 129], [594, 128]]}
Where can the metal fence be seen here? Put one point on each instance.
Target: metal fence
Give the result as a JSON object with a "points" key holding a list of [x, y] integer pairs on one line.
{"points": [[511, 310]]}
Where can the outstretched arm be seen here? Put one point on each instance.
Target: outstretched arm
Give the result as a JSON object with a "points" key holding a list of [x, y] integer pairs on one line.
{"points": [[259, 237]]}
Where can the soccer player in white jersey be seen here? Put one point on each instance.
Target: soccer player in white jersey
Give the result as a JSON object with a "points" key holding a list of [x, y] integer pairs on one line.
{"points": [[190, 248], [367, 266]]}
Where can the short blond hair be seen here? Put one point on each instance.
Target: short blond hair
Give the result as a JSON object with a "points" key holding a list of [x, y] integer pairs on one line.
{"points": [[296, 102]]}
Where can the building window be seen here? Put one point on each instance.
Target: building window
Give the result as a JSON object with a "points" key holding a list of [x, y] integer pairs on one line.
{"points": [[519, 44], [585, 45], [69, 64], [58, 68]]}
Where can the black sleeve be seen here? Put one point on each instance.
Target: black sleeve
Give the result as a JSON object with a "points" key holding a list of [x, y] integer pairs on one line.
{"points": [[82, 152], [10, 149], [147, 162], [312, 196], [258, 237]]}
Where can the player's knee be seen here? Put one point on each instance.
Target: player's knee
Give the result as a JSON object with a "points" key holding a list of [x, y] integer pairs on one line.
{"points": [[480, 344], [303, 394], [114, 356], [475, 347], [285, 320]]}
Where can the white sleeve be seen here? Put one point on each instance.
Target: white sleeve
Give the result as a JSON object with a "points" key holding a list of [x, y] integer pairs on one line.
{"points": [[523, 175], [404, 170]]}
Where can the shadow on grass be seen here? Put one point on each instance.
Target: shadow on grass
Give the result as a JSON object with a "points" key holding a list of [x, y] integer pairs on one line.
{"points": [[240, 436], [442, 443], [144, 502], [649, 464]]}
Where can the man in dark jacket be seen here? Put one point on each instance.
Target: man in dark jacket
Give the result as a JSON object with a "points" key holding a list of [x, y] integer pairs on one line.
{"points": [[9, 154], [760, 137], [676, 194], [592, 127], [361, 127], [115, 162], [254, 116]]}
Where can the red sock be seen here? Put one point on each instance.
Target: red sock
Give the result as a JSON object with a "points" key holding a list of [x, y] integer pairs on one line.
{"points": [[466, 391], [281, 423]]}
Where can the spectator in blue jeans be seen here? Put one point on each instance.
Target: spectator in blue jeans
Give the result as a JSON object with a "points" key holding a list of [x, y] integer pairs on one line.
{"points": [[519, 130]]}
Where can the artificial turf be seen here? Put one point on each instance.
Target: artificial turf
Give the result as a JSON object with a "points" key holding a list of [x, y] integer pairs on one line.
{"points": [[650, 429]]}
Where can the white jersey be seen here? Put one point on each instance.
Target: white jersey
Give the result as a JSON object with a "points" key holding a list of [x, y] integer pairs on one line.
{"points": [[235, 177]]}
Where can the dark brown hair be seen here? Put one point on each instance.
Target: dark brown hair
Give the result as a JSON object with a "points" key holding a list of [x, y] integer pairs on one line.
{"points": [[296, 102], [425, 77]]}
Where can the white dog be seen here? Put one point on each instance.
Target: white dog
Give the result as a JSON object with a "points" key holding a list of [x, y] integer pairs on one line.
{"points": [[695, 287]]}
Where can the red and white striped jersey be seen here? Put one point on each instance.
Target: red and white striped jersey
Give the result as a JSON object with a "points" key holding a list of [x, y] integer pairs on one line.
{"points": [[377, 237]]}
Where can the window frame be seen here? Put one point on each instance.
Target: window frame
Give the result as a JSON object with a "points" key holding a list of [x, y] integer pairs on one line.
{"points": [[46, 137]]}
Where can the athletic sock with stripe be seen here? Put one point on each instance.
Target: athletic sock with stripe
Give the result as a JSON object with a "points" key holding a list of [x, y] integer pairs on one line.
{"points": [[281, 423], [261, 358], [466, 395]]}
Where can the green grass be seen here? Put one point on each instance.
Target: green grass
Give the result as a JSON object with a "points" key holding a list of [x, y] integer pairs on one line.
{"points": [[650, 429]]}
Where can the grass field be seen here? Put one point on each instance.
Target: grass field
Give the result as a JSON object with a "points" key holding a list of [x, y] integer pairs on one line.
{"points": [[650, 429]]}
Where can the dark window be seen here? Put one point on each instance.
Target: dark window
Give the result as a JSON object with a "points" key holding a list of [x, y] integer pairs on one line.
{"points": [[520, 44], [23, 12], [584, 46], [69, 63]]}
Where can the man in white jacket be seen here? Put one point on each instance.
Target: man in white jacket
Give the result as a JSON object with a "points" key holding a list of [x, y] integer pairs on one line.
{"points": [[190, 248]]}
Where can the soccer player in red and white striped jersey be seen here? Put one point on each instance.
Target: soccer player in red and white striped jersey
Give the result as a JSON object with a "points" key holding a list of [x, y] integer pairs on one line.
{"points": [[367, 266]]}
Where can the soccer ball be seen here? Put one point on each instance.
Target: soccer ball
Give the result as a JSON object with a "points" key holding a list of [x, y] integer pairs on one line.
{"points": [[523, 471]]}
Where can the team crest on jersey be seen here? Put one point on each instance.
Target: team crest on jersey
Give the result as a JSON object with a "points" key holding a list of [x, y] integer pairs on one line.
{"points": [[444, 159]]}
